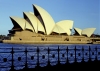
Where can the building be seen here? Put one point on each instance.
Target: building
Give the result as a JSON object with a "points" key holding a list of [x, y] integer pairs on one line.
{"points": [[40, 26], [86, 32]]}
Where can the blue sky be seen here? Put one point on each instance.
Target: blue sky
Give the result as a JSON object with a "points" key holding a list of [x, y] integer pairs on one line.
{"points": [[84, 13]]}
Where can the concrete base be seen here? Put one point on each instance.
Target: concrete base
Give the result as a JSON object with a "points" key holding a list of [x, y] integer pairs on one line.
{"points": [[45, 42]]}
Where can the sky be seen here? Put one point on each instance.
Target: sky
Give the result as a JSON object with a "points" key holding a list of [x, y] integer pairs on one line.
{"points": [[84, 13]]}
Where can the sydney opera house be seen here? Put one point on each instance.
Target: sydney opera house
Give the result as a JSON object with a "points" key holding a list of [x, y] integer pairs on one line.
{"points": [[39, 27]]}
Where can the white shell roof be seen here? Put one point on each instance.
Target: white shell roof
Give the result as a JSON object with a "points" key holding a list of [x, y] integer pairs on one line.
{"points": [[47, 19], [32, 19], [58, 29], [88, 31], [66, 25], [40, 26], [31, 13], [48, 24], [79, 31], [35, 22], [22, 23]]}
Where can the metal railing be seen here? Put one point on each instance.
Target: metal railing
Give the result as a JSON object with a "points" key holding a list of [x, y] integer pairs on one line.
{"points": [[22, 56]]}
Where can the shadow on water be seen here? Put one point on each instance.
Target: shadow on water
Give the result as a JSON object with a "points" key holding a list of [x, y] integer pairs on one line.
{"points": [[68, 67]]}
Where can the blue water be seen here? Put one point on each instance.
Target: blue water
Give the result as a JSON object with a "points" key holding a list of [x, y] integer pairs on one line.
{"points": [[42, 55]]}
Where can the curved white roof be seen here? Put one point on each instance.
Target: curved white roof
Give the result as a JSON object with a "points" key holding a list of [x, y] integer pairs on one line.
{"points": [[22, 23], [88, 31], [47, 19], [79, 31], [32, 19], [39, 24], [35, 22], [66, 25], [31, 13], [58, 29]]}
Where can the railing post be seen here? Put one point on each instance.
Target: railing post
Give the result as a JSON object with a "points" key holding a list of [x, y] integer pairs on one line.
{"points": [[89, 54], [58, 56], [83, 53], [67, 54], [48, 66], [26, 58], [75, 54], [96, 53], [37, 56], [12, 52]]}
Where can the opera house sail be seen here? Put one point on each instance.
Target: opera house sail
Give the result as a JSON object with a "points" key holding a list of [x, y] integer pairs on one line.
{"points": [[40, 28]]}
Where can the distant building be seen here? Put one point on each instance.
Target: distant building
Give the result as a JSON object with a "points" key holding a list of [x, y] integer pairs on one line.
{"points": [[40, 26]]}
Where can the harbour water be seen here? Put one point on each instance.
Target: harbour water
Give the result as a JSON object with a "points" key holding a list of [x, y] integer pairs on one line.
{"points": [[19, 56]]}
